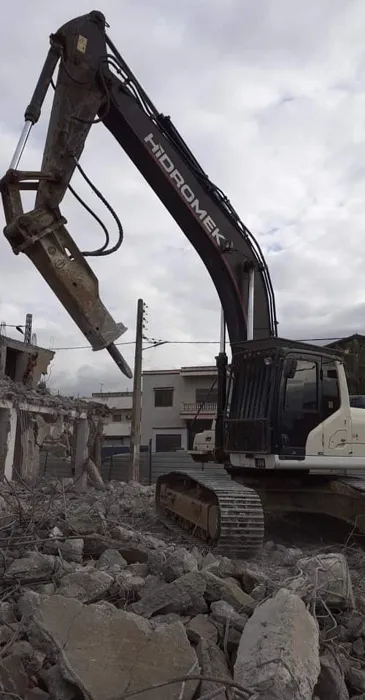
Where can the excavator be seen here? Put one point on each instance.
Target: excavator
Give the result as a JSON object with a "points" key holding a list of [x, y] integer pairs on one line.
{"points": [[285, 437]]}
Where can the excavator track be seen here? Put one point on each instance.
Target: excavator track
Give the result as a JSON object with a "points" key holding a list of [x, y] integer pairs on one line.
{"points": [[207, 507]]}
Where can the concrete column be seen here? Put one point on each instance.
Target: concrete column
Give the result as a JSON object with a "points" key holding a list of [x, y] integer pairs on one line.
{"points": [[81, 453], [8, 424], [28, 469]]}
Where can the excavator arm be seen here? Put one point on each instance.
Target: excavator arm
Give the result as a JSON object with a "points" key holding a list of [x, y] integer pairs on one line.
{"points": [[94, 84]]}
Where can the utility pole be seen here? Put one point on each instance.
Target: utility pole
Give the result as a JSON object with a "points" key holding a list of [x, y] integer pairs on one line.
{"points": [[135, 442]]}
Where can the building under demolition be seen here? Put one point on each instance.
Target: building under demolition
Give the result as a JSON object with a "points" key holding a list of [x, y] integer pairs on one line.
{"points": [[31, 419]]}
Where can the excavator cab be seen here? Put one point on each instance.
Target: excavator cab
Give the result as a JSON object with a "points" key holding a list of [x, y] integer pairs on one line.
{"points": [[287, 405]]}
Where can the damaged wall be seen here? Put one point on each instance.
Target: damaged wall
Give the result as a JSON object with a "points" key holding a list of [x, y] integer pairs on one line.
{"points": [[31, 420], [23, 362]]}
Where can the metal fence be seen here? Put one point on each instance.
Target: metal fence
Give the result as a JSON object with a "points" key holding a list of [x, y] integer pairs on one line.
{"points": [[115, 466]]}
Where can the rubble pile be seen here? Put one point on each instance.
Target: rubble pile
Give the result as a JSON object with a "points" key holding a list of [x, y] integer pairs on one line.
{"points": [[99, 601], [16, 392]]}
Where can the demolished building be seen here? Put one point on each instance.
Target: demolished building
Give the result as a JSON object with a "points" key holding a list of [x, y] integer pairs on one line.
{"points": [[31, 419]]}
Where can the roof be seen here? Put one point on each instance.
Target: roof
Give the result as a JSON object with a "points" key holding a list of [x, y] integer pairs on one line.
{"points": [[275, 343], [24, 347], [347, 339]]}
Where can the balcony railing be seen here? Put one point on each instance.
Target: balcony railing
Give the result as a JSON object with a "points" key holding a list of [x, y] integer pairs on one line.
{"points": [[193, 408]]}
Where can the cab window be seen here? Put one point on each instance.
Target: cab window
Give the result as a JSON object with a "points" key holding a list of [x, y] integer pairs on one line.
{"points": [[301, 391]]}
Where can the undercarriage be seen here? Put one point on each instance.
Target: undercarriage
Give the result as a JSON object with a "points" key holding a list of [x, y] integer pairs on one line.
{"points": [[225, 509]]}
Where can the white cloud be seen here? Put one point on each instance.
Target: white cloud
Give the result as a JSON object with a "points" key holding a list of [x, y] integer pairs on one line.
{"points": [[270, 98]]}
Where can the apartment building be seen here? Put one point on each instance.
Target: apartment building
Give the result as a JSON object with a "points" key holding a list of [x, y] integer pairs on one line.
{"points": [[177, 404], [117, 430]]}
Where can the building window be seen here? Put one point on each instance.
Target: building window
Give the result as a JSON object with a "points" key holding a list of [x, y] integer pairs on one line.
{"points": [[164, 398], [117, 418], [204, 396], [168, 443]]}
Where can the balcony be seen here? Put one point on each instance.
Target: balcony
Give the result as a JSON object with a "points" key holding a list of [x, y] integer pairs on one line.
{"points": [[189, 410]]}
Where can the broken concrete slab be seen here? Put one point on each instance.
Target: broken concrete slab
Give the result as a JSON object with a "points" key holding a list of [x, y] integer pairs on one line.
{"points": [[95, 545], [212, 663], [183, 596], [200, 627], [7, 632], [86, 585], [358, 648], [167, 619], [33, 567], [85, 520], [13, 679], [156, 561], [72, 549], [226, 589], [246, 575], [356, 679], [106, 652], [127, 587], [279, 649], [59, 688], [331, 682], [180, 562], [6, 613], [31, 658], [327, 576], [138, 569], [224, 613], [111, 558]]}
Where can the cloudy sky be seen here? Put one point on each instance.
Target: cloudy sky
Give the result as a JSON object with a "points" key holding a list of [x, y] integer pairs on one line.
{"points": [[270, 97]]}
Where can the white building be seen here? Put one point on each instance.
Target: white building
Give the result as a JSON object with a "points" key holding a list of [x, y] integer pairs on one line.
{"points": [[177, 404], [117, 431]]}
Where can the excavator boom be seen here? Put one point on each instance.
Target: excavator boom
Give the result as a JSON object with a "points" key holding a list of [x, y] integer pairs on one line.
{"points": [[95, 84]]}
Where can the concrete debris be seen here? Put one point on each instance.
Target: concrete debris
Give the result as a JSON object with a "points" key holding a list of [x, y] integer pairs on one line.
{"points": [[97, 597], [86, 585], [226, 589], [331, 683], [6, 613], [199, 628], [59, 688], [223, 613], [185, 595], [33, 567], [127, 588], [86, 520], [31, 658], [111, 559], [356, 679], [326, 577], [72, 549], [13, 678], [179, 563], [278, 654], [213, 664], [358, 648], [106, 653]]}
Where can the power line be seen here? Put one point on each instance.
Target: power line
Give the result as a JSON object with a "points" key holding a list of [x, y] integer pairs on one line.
{"points": [[160, 342], [190, 342]]}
